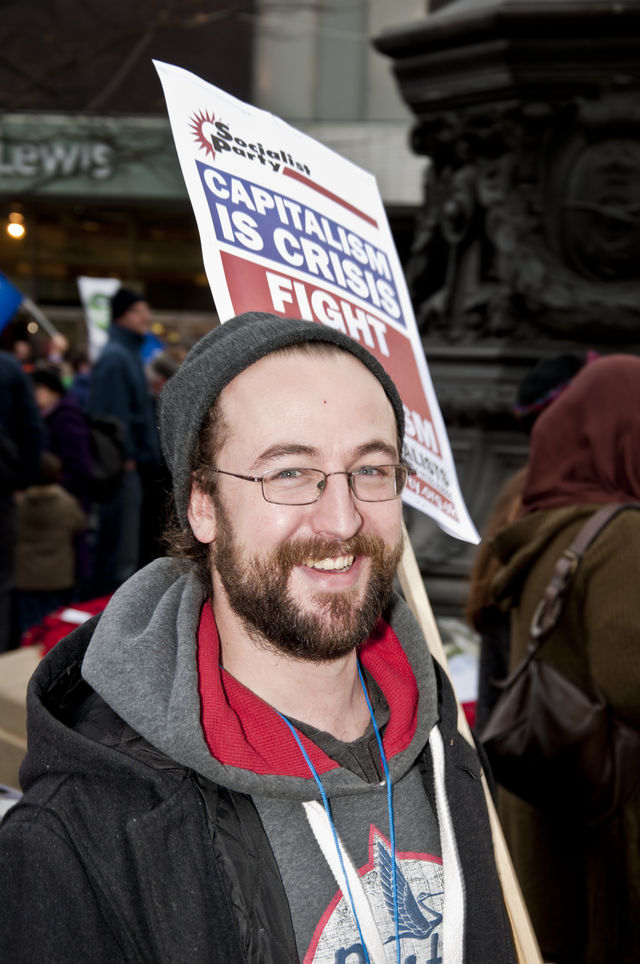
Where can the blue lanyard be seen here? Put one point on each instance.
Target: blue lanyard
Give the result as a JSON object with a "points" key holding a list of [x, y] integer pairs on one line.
{"points": [[392, 824], [392, 832]]}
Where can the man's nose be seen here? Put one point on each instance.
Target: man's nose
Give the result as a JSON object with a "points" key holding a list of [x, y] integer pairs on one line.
{"points": [[336, 513]]}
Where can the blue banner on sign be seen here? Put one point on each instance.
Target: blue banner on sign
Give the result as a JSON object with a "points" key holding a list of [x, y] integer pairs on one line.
{"points": [[249, 218]]}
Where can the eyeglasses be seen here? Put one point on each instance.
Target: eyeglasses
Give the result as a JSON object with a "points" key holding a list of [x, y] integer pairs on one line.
{"points": [[295, 486]]}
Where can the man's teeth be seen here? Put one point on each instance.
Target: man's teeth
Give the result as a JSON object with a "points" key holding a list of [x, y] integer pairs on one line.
{"points": [[340, 562]]}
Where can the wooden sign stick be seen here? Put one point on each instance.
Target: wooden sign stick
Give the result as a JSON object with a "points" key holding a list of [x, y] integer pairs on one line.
{"points": [[416, 597]]}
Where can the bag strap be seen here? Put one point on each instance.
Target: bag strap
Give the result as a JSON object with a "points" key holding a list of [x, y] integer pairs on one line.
{"points": [[548, 611]]}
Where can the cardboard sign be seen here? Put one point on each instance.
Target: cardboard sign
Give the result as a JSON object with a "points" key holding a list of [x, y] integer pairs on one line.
{"points": [[16, 668], [289, 227]]}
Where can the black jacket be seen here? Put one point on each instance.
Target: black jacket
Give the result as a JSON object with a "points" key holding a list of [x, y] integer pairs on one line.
{"points": [[116, 853], [21, 429]]}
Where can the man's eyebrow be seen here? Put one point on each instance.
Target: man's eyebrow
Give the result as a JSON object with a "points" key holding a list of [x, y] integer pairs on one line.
{"points": [[284, 449], [377, 445]]}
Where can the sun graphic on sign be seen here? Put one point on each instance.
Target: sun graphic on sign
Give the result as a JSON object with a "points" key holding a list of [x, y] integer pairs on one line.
{"points": [[201, 124]]}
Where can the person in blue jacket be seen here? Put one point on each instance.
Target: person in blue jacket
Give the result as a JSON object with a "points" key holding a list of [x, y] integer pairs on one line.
{"points": [[118, 388]]}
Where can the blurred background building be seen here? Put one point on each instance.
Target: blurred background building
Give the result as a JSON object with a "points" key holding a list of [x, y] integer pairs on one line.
{"points": [[504, 135], [87, 163]]}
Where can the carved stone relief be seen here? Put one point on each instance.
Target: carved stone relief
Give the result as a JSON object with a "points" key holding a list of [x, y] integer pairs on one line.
{"points": [[528, 241], [531, 222]]}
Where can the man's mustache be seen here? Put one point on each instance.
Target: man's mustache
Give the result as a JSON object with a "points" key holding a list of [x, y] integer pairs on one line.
{"points": [[299, 551]]}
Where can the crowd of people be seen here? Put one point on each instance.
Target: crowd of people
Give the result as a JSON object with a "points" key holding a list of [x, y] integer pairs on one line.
{"points": [[63, 539]]}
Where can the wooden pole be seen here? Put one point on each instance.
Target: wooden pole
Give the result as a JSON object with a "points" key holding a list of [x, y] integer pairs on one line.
{"points": [[39, 316], [416, 597]]}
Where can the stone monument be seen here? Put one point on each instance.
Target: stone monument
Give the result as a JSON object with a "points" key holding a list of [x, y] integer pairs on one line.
{"points": [[528, 241]]}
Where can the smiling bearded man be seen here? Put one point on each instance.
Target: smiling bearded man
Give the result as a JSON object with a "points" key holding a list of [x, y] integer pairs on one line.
{"points": [[257, 591], [252, 756]]}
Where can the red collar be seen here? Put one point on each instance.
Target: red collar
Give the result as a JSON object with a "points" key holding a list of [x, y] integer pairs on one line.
{"points": [[243, 731]]}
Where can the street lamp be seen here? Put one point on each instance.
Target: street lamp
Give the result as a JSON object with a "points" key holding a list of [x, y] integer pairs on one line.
{"points": [[15, 225]]}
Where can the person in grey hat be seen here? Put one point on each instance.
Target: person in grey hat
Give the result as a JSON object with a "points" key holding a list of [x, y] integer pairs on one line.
{"points": [[118, 388], [252, 756]]}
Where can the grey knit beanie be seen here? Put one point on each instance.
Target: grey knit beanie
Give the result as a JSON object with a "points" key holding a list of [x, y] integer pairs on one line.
{"points": [[215, 360]]}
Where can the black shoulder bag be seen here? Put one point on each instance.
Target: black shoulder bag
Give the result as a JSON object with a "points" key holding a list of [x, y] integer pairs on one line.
{"points": [[546, 740]]}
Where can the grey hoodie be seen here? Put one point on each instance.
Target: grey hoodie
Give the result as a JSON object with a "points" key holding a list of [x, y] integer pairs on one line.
{"points": [[143, 661]]}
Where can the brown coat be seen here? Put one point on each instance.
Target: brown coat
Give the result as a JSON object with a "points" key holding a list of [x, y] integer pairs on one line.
{"points": [[582, 887], [48, 518]]}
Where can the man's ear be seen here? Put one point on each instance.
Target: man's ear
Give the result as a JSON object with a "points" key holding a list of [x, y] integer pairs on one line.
{"points": [[201, 515]]}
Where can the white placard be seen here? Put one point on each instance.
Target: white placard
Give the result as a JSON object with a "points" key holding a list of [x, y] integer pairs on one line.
{"points": [[94, 295], [290, 227]]}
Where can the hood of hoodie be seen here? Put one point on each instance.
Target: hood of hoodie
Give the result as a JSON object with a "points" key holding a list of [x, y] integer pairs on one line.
{"points": [[142, 659]]}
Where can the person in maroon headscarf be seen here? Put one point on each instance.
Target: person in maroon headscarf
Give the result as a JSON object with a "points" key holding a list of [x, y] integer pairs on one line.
{"points": [[538, 389], [582, 887]]}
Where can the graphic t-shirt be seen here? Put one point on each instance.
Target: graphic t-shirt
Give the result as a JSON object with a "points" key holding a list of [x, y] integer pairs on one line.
{"points": [[250, 738], [324, 925]]}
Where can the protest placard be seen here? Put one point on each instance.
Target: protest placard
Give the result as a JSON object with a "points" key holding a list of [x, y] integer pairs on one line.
{"points": [[94, 295], [290, 227]]}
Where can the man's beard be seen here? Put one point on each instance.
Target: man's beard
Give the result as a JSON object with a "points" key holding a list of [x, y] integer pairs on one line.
{"points": [[257, 590]]}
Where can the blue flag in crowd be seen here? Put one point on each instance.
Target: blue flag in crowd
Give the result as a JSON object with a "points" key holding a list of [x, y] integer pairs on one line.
{"points": [[151, 346], [10, 301]]}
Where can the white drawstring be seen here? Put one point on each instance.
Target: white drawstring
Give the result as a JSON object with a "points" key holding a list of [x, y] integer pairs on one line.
{"points": [[453, 910], [322, 831]]}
